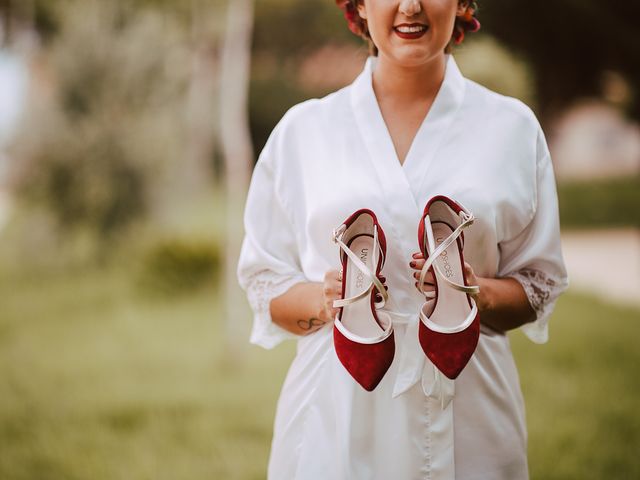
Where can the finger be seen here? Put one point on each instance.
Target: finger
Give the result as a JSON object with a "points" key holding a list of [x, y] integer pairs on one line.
{"points": [[429, 275], [331, 274], [417, 264], [428, 278], [378, 293], [328, 304], [468, 270], [417, 255], [427, 287], [378, 297], [332, 290], [469, 273]]}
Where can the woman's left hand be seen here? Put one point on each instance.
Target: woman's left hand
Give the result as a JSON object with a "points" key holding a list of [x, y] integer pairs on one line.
{"points": [[417, 263], [473, 279], [429, 282]]}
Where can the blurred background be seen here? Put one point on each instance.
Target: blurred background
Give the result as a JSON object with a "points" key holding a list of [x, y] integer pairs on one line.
{"points": [[128, 131]]}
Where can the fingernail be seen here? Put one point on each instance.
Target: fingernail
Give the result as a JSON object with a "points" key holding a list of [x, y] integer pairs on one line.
{"points": [[415, 255], [412, 263]]}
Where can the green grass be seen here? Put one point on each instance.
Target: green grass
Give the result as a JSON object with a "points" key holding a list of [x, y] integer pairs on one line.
{"points": [[582, 391], [600, 203], [99, 382]]}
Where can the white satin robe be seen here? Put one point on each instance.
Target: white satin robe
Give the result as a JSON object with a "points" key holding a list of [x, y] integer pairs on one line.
{"points": [[328, 157]]}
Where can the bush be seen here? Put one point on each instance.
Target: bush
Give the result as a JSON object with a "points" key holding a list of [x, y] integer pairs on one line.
{"points": [[178, 266], [600, 203], [99, 143]]}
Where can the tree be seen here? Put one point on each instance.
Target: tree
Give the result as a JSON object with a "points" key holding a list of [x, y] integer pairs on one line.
{"points": [[569, 45], [96, 149], [236, 144]]}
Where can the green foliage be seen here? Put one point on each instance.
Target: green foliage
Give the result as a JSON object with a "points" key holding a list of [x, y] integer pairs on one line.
{"points": [[97, 151], [284, 32], [581, 392], [179, 266], [569, 45], [270, 97], [600, 203], [288, 28], [487, 62], [89, 180]]}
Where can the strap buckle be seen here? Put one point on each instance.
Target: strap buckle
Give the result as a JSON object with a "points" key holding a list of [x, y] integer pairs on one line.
{"points": [[467, 217], [338, 232]]}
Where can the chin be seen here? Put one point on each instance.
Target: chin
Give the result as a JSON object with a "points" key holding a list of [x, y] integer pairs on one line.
{"points": [[414, 57]]}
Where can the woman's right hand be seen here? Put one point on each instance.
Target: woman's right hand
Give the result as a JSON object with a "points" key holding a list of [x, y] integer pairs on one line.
{"points": [[308, 306], [429, 281], [332, 290]]}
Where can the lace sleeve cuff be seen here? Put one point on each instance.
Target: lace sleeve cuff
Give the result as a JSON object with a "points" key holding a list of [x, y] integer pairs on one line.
{"points": [[262, 287], [542, 291]]}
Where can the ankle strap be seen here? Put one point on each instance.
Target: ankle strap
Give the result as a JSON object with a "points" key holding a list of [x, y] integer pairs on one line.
{"points": [[337, 238], [467, 219]]}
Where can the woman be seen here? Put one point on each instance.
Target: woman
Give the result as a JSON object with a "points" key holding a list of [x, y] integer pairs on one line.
{"points": [[409, 127]]}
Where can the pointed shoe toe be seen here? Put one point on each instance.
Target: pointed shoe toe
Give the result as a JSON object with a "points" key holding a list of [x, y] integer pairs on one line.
{"points": [[450, 352], [366, 363]]}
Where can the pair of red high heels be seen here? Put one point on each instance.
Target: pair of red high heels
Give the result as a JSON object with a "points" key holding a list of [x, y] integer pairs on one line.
{"points": [[449, 325]]}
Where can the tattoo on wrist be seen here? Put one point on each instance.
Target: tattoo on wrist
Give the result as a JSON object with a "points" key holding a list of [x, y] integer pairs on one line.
{"points": [[311, 325]]}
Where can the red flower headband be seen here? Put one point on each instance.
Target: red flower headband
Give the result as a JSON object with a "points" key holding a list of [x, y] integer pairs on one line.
{"points": [[466, 22]]}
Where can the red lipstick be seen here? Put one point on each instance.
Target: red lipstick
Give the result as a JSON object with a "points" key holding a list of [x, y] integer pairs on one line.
{"points": [[420, 30]]}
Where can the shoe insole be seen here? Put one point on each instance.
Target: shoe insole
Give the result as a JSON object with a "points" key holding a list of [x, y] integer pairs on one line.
{"points": [[452, 307], [357, 317]]}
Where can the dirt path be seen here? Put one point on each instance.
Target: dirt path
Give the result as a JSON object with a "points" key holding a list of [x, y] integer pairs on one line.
{"points": [[605, 263]]}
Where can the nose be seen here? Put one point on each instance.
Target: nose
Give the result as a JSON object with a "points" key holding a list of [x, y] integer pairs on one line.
{"points": [[410, 7]]}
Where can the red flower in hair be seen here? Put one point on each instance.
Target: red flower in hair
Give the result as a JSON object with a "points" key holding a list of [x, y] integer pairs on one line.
{"points": [[466, 22], [351, 14]]}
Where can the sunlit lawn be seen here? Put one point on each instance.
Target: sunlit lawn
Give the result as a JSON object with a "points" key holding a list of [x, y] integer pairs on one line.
{"points": [[100, 382]]}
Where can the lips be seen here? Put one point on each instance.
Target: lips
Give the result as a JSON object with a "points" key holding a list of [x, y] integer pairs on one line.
{"points": [[410, 27], [410, 30]]}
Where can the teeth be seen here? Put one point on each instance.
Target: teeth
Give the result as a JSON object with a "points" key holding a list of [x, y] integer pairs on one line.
{"points": [[405, 29]]}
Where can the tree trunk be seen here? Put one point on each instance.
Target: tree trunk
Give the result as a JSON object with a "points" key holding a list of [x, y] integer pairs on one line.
{"points": [[6, 14], [196, 172], [237, 151]]}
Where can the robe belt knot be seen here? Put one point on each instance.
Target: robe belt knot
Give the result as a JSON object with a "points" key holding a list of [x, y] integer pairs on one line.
{"points": [[414, 365]]}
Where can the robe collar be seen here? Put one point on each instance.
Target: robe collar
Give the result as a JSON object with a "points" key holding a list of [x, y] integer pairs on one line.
{"points": [[409, 176], [401, 187]]}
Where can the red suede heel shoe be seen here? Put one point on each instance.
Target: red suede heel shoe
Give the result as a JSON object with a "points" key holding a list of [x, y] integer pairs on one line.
{"points": [[449, 330], [362, 335]]}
